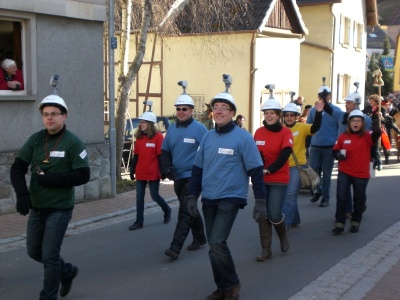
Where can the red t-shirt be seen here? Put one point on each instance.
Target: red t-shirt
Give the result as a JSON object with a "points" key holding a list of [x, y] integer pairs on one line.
{"points": [[358, 154], [148, 150], [270, 144]]}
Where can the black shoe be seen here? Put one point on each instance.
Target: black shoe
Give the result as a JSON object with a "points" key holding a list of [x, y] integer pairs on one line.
{"points": [[354, 228], [167, 216], [135, 226], [171, 253], [337, 230], [195, 245], [324, 203], [66, 283], [315, 197]]}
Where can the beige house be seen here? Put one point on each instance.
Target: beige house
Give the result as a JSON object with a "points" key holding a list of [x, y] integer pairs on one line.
{"points": [[336, 46], [396, 79], [265, 51]]}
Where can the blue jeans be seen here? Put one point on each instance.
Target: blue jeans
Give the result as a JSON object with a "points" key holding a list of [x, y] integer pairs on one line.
{"points": [[343, 196], [185, 221], [275, 198], [45, 234], [154, 186], [219, 219], [321, 160], [290, 208]]}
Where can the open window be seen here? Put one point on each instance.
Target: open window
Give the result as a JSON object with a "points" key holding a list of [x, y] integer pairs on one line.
{"points": [[17, 42]]}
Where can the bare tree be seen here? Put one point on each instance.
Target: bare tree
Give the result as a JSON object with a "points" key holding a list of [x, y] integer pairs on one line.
{"points": [[166, 17]]}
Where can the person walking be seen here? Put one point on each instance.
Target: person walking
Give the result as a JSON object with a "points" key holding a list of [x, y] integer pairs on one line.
{"points": [[352, 150], [300, 132], [321, 159], [179, 149], [145, 167], [274, 142], [226, 158], [58, 161]]}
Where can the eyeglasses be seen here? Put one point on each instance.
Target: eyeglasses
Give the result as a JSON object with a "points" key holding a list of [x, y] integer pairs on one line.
{"points": [[182, 109], [221, 109], [52, 114], [290, 115]]}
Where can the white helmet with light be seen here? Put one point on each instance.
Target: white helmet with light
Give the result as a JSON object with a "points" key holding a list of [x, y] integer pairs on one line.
{"points": [[184, 98], [271, 103], [148, 116], [356, 113], [354, 97], [225, 96], [54, 100], [291, 107], [324, 89]]}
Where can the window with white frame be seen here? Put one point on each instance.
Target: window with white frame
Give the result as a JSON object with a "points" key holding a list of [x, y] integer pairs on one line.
{"points": [[357, 35], [17, 42], [345, 30], [344, 81], [199, 106]]}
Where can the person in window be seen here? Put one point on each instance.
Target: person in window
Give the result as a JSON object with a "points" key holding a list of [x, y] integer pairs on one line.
{"points": [[11, 77]]}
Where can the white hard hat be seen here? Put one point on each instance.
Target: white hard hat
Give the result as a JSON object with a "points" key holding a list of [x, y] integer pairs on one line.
{"points": [[324, 89], [53, 100], [354, 97], [271, 103], [148, 116], [226, 98], [356, 113], [184, 99], [291, 107]]}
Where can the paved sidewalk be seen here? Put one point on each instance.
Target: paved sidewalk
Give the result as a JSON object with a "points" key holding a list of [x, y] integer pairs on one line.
{"points": [[384, 287]]}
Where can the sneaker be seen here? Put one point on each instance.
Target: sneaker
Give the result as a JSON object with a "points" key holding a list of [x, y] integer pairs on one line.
{"points": [[135, 226], [354, 228], [315, 197], [171, 253], [233, 293], [337, 230], [324, 203], [167, 216], [219, 294], [66, 283], [195, 245]]}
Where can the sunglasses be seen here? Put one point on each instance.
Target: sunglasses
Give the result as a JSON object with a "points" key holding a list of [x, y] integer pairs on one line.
{"points": [[182, 109], [290, 115]]}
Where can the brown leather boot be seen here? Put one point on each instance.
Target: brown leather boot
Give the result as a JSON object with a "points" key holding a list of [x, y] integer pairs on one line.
{"points": [[281, 231], [265, 229], [233, 293]]}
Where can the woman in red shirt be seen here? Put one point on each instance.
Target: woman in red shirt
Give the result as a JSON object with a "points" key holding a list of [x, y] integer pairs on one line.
{"points": [[10, 77], [275, 143], [352, 150], [145, 167]]}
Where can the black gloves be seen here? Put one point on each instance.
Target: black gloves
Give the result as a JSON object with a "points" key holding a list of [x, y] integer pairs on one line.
{"points": [[23, 204], [191, 204], [340, 156], [171, 174], [132, 174], [260, 210]]}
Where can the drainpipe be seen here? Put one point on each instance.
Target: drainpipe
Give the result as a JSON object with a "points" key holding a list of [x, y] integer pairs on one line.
{"points": [[333, 54], [251, 85]]}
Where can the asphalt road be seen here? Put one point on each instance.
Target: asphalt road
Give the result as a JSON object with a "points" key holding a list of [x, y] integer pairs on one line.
{"points": [[116, 263]]}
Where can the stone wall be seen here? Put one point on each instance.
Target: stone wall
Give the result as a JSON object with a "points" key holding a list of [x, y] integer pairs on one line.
{"points": [[98, 187]]}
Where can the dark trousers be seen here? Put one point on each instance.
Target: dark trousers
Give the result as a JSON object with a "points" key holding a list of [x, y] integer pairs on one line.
{"points": [[45, 234], [343, 193], [185, 220]]}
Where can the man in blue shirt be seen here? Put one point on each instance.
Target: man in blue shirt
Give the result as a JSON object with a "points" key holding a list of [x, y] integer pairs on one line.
{"points": [[226, 158], [321, 157], [179, 149]]}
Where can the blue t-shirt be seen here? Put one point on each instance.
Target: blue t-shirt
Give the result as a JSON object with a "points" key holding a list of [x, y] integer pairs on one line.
{"points": [[182, 142], [326, 136], [225, 160]]}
